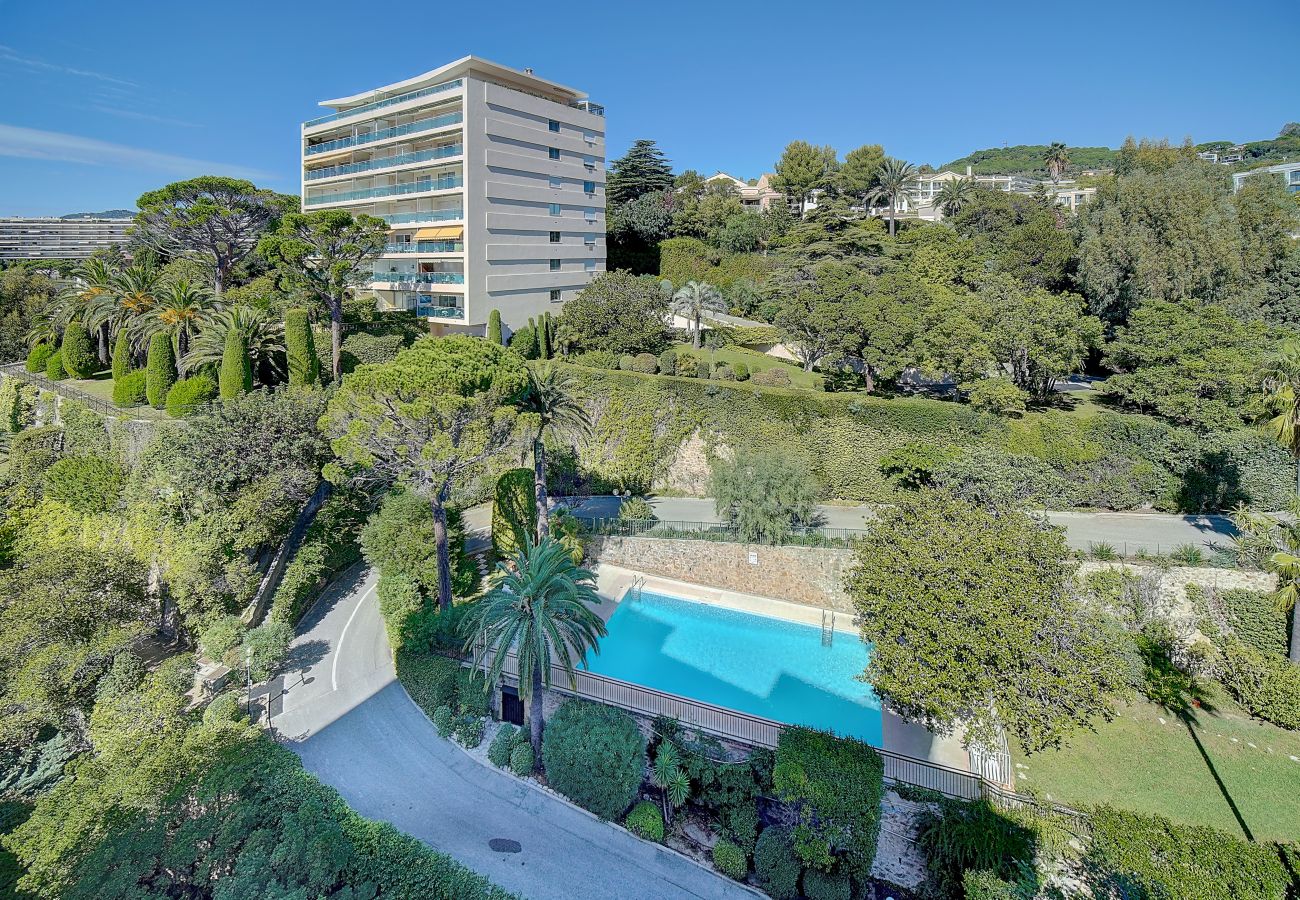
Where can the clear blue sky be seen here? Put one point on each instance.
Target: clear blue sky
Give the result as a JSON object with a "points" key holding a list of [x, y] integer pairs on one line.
{"points": [[104, 100]]}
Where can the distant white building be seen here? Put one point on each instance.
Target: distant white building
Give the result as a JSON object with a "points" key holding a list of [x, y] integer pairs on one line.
{"points": [[71, 238], [1288, 172], [926, 189], [756, 197]]}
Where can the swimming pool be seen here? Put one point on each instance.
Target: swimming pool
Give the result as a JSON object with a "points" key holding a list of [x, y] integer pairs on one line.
{"points": [[755, 664]]}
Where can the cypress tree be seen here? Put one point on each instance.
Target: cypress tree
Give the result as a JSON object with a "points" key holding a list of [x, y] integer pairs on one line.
{"points": [[236, 374], [544, 336], [78, 353], [534, 350], [300, 347], [160, 370], [121, 355], [494, 327]]}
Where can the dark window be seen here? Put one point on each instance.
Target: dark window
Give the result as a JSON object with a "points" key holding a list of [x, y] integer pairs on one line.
{"points": [[555, 152], [555, 237], [554, 125], [555, 265]]}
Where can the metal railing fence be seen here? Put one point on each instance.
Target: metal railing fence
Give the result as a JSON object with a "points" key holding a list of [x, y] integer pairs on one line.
{"points": [[805, 535]]}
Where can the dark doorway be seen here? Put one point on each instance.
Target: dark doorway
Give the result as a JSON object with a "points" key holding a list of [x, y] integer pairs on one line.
{"points": [[512, 708]]}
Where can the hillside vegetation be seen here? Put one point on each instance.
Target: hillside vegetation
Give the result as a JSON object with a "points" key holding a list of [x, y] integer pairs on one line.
{"points": [[1027, 159]]}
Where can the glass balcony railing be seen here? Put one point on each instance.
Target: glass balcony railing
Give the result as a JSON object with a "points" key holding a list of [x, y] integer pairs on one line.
{"points": [[426, 247], [418, 186], [428, 215], [420, 277], [370, 137], [380, 104], [441, 312], [386, 162]]}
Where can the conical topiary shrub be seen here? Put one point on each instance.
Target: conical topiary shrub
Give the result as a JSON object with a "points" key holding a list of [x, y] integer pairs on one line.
{"points": [[78, 352], [236, 375], [300, 349], [160, 370]]}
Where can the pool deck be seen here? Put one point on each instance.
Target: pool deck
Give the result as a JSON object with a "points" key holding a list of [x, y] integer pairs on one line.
{"points": [[898, 736]]}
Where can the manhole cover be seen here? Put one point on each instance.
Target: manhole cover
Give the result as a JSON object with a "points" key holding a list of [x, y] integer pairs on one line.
{"points": [[505, 845]]}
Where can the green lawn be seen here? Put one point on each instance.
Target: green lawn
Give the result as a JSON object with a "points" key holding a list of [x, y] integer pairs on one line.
{"points": [[1145, 760], [757, 362], [100, 386]]}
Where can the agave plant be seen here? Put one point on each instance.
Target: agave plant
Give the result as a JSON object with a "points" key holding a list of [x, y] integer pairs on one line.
{"points": [[263, 335]]}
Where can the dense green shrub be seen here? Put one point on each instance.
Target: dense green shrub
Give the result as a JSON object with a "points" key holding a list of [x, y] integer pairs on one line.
{"points": [[595, 756], [1267, 684], [429, 679], [121, 362], [914, 465], [645, 363], [1153, 857], [54, 369], [668, 362], [636, 509], [776, 376], [524, 341], [38, 356], [79, 359], [514, 512], [160, 370], [503, 742], [724, 372], [300, 349], [982, 884], [188, 395], [236, 374], [363, 349], [646, 821], [703, 368], [494, 326], [17, 404], [224, 708], [444, 720], [33, 451], [1255, 619], [998, 395], [468, 730], [730, 860], [837, 784], [473, 696], [89, 484], [269, 645], [129, 390], [775, 863], [222, 636], [819, 885], [958, 837], [329, 546], [627, 363], [521, 760], [597, 359], [740, 370]]}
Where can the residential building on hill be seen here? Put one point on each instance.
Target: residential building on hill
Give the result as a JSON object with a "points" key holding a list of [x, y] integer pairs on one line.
{"points": [[926, 188], [492, 180], [756, 197], [1289, 172], [63, 238]]}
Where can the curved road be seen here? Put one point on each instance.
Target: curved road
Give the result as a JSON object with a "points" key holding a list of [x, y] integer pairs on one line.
{"points": [[340, 708]]}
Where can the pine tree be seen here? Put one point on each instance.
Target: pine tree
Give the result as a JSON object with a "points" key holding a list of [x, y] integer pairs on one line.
{"points": [[121, 355], [160, 369], [494, 327], [236, 376], [642, 170], [300, 349], [803, 169]]}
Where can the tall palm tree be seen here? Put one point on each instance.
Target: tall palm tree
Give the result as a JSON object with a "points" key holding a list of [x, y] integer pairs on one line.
{"points": [[133, 290], [695, 299], [1057, 158], [954, 196], [1274, 544], [1279, 401], [552, 396], [263, 335], [895, 182], [180, 308], [541, 608], [92, 287]]}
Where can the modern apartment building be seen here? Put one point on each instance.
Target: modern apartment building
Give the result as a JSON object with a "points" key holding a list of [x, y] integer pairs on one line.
{"points": [[1289, 173], [67, 238], [925, 189], [492, 179]]}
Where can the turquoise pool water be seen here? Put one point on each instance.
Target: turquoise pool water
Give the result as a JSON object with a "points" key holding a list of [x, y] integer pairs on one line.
{"points": [[755, 664]]}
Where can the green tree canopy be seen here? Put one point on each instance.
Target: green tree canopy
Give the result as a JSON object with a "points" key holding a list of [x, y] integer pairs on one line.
{"points": [[642, 170], [764, 494], [619, 312], [803, 169]]}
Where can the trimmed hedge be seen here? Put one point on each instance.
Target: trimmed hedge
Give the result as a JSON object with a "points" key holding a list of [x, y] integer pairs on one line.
{"points": [[121, 354], [54, 369], [236, 374], [37, 357], [775, 863], [79, 358], [160, 370], [1267, 684], [188, 395], [1255, 619], [362, 349], [594, 755], [494, 326], [429, 679], [820, 886], [129, 390], [646, 821]]}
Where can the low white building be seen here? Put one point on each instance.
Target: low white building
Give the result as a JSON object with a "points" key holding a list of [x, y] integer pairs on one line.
{"points": [[1289, 173], [755, 197], [920, 204]]}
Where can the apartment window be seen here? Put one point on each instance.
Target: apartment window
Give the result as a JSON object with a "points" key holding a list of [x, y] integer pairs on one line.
{"points": [[555, 237], [589, 187], [591, 214], [556, 296], [554, 152], [553, 125], [589, 162], [555, 209], [557, 181], [589, 240], [589, 265], [555, 265]]}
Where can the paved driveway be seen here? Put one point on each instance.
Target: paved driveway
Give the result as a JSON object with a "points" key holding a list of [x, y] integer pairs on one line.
{"points": [[341, 709]]}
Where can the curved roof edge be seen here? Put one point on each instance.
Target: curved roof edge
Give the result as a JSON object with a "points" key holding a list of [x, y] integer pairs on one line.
{"points": [[451, 70]]}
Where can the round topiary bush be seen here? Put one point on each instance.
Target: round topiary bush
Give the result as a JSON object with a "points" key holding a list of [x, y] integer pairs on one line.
{"points": [[730, 860], [189, 394], [645, 363], [444, 720], [668, 362], [741, 371], [503, 742], [469, 730], [819, 885], [724, 372], [38, 356], [129, 389], [626, 362], [521, 760], [776, 376], [595, 756], [776, 865], [54, 366], [646, 821]]}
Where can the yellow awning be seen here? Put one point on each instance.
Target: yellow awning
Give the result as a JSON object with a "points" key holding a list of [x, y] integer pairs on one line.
{"points": [[441, 233]]}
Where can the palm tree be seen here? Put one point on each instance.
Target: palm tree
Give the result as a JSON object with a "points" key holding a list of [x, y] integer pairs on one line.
{"points": [[894, 182], [539, 608], [180, 308], [1274, 544], [695, 299], [954, 196], [1279, 401], [1057, 158], [552, 396], [92, 287], [132, 292], [263, 335]]}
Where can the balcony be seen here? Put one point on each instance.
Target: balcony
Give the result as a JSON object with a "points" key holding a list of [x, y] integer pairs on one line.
{"points": [[383, 134], [428, 215], [440, 312], [426, 247], [380, 104], [386, 162], [418, 277], [391, 190]]}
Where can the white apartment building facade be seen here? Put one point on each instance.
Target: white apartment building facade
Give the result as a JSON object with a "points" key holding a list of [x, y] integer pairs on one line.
{"points": [[1288, 172], [65, 238], [920, 204], [491, 179]]}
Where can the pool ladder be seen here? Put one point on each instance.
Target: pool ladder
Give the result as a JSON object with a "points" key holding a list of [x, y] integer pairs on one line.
{"points": [[828, 627], [638, 584]]}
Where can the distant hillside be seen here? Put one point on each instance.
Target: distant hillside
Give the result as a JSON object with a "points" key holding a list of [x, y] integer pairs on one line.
{"points": [[106, 214], [1027, 159], [1283, 148]]}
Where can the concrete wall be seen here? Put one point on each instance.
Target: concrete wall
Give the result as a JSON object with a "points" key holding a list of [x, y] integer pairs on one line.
{"points": [[813, 576]]}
